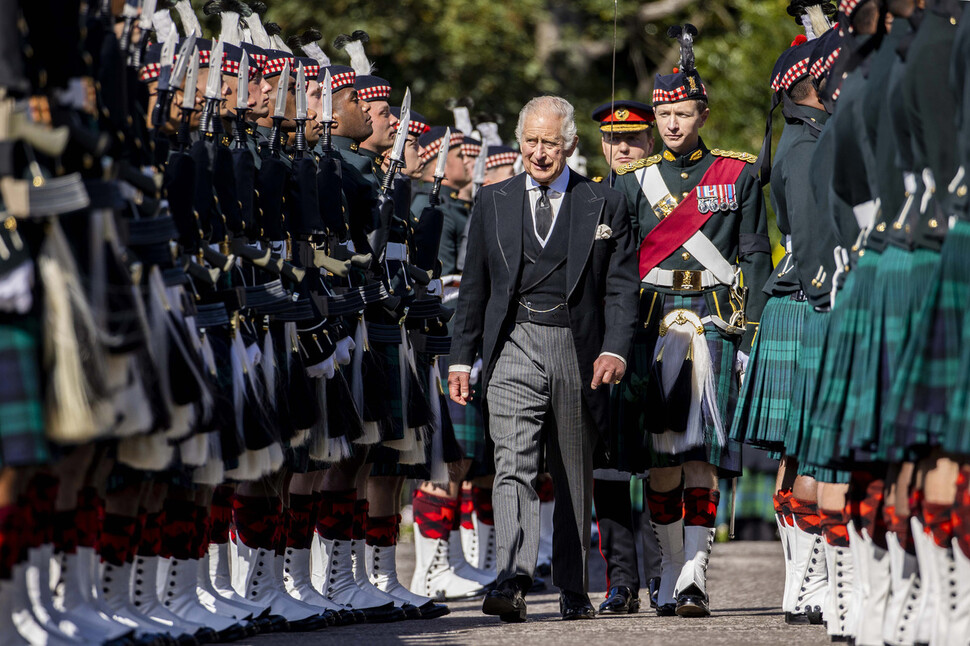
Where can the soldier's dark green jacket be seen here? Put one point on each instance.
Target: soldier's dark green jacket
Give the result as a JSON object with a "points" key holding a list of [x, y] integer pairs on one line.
{"points": [[359, 188], [740, 235], [930, 104], [456, 212], [795, 207], [960, 80], [882, 98]]}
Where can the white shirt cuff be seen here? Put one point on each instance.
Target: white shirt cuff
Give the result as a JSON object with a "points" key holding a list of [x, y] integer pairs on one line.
{"points": [[610, 354], [459, 367]]}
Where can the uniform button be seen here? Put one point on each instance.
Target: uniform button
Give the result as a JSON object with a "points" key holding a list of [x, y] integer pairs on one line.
{"points": [[684, 175], [685, 256], [684, 194]]}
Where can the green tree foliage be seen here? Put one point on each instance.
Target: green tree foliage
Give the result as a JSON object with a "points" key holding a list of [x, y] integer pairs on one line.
{"points": [[500, 53]]}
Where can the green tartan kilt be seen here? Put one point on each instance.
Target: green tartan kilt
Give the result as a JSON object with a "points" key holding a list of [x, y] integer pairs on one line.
{"points": [[899, 291], [801, 433], [928, 388], [468, 422], [23, 441], [726, 456], [847, 329], [761, 417]]}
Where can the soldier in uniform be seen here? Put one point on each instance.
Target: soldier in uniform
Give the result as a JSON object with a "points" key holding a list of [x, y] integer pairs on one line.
{"points": [[627, 137], [701, 274], [437, 509], [500, 164]]}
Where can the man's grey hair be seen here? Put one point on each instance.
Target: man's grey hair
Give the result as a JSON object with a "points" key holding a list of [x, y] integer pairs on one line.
{"points": [[556, 105]]}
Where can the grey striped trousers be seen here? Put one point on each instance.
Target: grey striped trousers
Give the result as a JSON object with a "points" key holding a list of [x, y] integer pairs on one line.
{"points": [[535, 396]]}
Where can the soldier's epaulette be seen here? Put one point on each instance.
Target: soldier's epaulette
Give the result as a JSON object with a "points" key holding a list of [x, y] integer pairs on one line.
{"points": [[640, 163], [598, 179], [745, 157]]}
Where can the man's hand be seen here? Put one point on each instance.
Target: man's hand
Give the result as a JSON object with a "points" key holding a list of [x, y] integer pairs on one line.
{"points": [[458, 388], [606, 370]]}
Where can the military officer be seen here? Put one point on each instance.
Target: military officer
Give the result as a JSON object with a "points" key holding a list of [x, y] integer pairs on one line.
{"points": [[626, 128], [701, 274]]}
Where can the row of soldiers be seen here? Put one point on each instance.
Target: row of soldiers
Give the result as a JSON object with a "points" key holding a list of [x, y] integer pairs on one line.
{"points": [[858, 378], [223, 275]]}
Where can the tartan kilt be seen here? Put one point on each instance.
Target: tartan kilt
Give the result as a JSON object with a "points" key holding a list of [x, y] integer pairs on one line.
{"points": [[23, 441], [389, 358], [898, 295], [879, 351], [726, 455], [841, 355], [928, 387], [761, 417], [801, 433], [467, 421]]}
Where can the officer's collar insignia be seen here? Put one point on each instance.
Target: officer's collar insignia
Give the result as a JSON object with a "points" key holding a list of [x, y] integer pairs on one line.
{"points": [[669, 156], [697, 154], [354, 146]]}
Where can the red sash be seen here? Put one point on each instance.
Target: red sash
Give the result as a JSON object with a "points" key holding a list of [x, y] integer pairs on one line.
{"points": [[685, 220]]}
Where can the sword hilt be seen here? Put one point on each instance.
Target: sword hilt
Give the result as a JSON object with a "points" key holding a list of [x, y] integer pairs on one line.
{"points": [[435, 198], [185, 128], [389, 177], [300, 138], [162, 106], [215, 119], [274, 136], [124, 43], [239, 129], [325, 144]]}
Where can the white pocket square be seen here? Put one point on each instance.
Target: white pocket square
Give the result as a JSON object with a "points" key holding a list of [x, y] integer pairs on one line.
{"points": [[603, 232]]}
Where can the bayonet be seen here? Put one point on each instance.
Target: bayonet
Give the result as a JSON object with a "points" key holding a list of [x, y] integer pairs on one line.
{"points": [[242, 102], [301, 111], [327, 116], [144, 26], [478, 172], [396, 157], [211, 117], [130, 14], [188, 97], [439, 168], [164, 88], [182, 61], [279, 110]]}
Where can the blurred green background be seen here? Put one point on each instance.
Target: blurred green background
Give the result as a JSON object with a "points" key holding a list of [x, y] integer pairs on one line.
{"points": [[500, 54]]}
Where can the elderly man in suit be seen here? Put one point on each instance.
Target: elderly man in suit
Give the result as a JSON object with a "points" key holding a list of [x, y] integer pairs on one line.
{"points": [[549, 298]]}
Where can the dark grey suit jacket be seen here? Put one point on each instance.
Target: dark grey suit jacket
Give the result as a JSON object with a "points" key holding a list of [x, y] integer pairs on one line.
{"points": [[602, 279]]}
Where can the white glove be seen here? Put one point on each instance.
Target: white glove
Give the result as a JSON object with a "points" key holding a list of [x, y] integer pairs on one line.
{"points": [[475, 373], [741, 363]]}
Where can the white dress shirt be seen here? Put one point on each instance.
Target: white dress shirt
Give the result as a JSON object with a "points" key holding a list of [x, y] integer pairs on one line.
{"points": [[557, 189]]}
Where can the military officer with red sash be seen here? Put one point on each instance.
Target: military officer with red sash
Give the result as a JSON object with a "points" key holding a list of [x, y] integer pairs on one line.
{"points": [[704, 257]]}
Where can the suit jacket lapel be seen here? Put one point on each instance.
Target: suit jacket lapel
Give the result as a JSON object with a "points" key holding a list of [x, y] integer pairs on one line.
{"points": [[585, 212], [509, 211]]}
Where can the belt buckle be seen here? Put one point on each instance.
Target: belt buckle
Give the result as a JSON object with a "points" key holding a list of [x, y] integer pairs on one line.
{"points": [[686, 280]]}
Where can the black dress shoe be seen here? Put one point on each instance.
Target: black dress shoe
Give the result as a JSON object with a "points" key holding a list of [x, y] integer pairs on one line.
{"points": [[574, 605], [667, 610], [653, 585], [432, 610], [621, 601], [507, 602], [691, 602]]}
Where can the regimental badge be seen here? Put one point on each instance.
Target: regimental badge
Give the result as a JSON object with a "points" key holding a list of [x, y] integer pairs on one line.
{"points": [[717, 197], [621, 114]]}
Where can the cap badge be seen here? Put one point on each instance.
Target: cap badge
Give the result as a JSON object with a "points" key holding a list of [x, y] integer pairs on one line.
{"points": [[621, 114]]}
